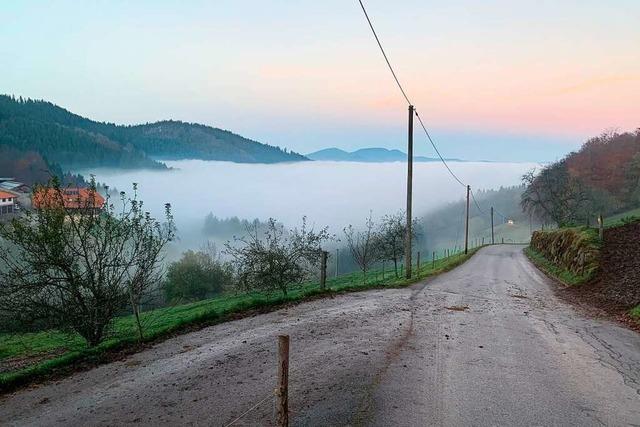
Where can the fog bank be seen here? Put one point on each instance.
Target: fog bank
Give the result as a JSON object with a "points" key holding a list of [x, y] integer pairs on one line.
{"points": [[328, 193]]}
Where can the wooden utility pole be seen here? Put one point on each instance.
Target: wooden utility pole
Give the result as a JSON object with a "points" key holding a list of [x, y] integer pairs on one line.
{"points": [[323, 270], [282, 390], [466, 224], [492, 237], [407, 237]]}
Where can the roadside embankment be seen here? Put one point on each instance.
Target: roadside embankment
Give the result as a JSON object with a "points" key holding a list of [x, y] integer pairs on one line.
{"points": [[607, 271], [570, 254]]}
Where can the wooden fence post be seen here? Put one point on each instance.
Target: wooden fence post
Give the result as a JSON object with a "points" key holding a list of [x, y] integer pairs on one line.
{"points": [[601, 227], [418, 263], [282, 391], [433, 259], [323, 270]]}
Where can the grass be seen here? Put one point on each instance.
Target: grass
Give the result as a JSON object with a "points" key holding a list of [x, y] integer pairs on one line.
{"points": [[55, 352], [559, 273], [622, 218], [635, 313]]}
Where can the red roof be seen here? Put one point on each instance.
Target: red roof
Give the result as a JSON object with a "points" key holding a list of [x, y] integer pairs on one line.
{"points": [[72, 198], [5, 195]]}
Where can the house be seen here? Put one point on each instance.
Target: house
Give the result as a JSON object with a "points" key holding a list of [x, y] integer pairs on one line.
{"points": [[69, 198], [7, 202]]}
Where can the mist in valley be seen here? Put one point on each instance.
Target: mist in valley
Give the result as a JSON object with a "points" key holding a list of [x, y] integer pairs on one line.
{"points": [[333, 194]]}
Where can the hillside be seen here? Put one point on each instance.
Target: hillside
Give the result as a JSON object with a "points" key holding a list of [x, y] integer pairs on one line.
{"points": [[373, 155], [444, 227], [43, 131], [603, 177]]}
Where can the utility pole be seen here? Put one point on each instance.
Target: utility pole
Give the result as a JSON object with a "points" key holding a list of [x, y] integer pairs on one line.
{"points": [[407, 237], [492, 239], [466, 225]]}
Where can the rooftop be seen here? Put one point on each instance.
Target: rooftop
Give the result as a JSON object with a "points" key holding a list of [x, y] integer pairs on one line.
{"points": [[5, 195], [72, 198]]}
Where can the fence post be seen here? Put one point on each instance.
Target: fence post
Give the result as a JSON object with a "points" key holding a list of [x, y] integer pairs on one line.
{"points": [[503, 240], [601, 227], [323, 270], [418, 263], [282, 391], [433, 259]]}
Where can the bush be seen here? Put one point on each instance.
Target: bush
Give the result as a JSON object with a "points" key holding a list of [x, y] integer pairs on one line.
{"points": [[76, 261], [574, 249], [196, 276], [277, 258]]}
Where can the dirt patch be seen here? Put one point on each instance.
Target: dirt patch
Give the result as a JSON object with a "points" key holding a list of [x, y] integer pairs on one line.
{"points": [[458, 308]]}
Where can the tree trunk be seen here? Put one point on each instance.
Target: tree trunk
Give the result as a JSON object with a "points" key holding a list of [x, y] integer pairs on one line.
{"points": [[136, 313]]}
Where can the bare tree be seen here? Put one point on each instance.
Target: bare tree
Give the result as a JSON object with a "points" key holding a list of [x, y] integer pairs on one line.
{"points": [[362, 245], [554, 195], [278, 258], [75, 262], [389, 239]]}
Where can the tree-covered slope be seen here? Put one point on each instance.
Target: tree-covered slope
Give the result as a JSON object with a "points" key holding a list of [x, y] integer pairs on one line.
{"points": [[72, 141], [603, 177], [179, 140]]}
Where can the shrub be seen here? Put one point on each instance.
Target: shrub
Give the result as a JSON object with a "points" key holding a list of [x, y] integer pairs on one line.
{"points": [[197, 275], [76, 262], [277, 258]]}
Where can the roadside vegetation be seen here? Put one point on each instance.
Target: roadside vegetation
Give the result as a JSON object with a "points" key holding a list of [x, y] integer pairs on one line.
{"points": [[623, 218], [82, 281], [39, 354], [573, 252], [562, 274]]}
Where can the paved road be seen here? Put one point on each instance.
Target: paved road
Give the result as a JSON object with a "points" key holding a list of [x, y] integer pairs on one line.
{"points": [[485, 344]]}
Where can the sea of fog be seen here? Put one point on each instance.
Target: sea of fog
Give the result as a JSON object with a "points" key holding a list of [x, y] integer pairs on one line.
{"points": [[328, 193]]}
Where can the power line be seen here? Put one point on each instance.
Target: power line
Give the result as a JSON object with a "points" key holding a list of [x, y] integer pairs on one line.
{"points": [[436, 149], [383, 53], [473, 196], [504, 217], [424, 128]]}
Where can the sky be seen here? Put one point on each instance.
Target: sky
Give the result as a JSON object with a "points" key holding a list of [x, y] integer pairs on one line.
{"points": [[494, 80]]}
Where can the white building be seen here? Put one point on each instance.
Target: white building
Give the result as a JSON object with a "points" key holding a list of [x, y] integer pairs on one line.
{"points": [[7, 202]]}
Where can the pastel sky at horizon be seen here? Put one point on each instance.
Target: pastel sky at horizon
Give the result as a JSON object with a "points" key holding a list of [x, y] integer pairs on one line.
{"points": [[495, 80]]}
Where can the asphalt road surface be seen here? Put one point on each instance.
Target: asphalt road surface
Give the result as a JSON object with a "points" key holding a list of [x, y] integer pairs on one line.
{"points": [[485, 344]]}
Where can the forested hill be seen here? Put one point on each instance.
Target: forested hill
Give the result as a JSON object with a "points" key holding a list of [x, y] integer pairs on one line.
{"points": [[72, 141], [603, 177]]}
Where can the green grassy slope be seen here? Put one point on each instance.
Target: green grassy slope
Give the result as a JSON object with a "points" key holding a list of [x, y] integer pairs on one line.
{"points": [[616, 220], [24, 357]]}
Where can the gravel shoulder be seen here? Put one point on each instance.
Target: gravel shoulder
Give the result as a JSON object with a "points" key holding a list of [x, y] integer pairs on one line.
{"points": [[487, 343]]}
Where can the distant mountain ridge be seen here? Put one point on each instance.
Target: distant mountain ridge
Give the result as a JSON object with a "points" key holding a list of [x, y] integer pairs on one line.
{"points": [[73, 142], [372, 155]]}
